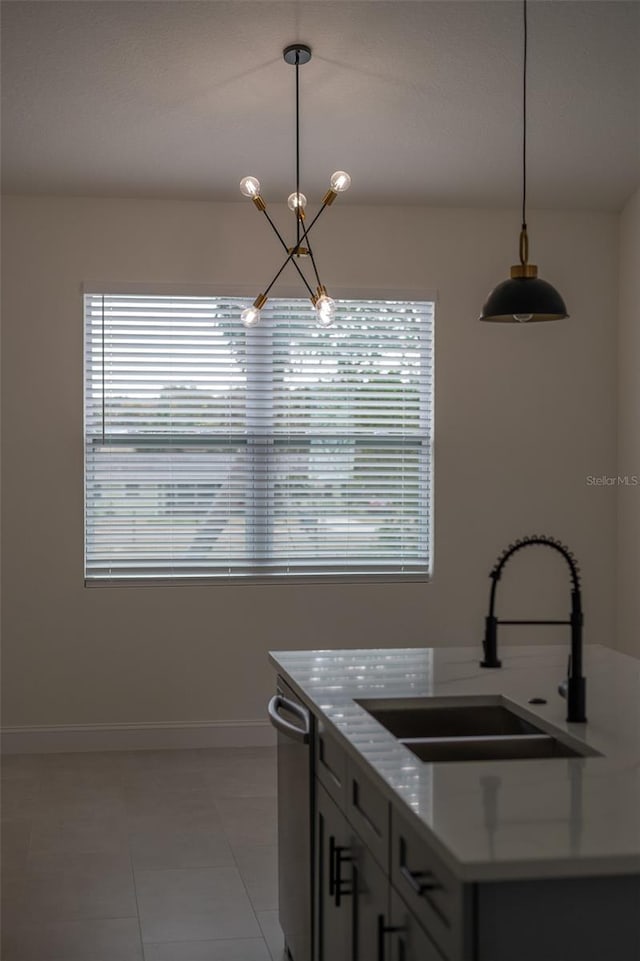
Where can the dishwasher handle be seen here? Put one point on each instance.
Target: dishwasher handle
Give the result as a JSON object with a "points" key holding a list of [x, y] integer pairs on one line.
{"points": [[286, 727]]}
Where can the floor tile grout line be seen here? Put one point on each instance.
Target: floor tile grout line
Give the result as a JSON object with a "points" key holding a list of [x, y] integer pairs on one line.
{"points": [[135, 894], [284, 955], [37, 795], [207, 940], [244, 885]]}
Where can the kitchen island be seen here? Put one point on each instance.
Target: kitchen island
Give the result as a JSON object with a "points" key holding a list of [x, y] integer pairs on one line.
{"points": [[523, 859]]}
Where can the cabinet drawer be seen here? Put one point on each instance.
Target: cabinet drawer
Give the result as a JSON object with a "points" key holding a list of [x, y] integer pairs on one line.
{"points": [[421, 879], [368, 812], [331, 765]]}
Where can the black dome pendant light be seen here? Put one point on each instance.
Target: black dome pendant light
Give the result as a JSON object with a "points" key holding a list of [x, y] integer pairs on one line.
{"points": [[524, 298]]}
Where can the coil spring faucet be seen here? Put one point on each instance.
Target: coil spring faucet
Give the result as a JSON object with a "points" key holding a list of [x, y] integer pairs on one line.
{"points": [[574, 687]]}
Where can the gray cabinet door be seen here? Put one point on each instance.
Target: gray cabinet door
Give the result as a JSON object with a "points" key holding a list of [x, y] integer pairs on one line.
{"points": [[370, 901], [334, 888], [352, 889], [407, 941], [421, 879]]}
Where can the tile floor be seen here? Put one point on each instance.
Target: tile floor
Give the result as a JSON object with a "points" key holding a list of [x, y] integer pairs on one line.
{"points": [[140, 856]]}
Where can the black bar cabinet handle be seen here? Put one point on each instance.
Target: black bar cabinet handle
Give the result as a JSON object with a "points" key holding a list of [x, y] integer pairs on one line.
{"points": [[381, 934], [413, 880], [332, 866], [383, 929], [339, 859]]}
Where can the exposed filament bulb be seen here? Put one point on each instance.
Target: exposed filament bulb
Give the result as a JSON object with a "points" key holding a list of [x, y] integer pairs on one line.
{"points": [[251, 316], [296, 202], [325, 309], [250, 187], [340, 181]]}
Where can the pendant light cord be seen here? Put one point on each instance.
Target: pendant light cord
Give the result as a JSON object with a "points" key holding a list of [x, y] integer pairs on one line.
{"points": [[102, 371], [297, 141], [524, 121]]}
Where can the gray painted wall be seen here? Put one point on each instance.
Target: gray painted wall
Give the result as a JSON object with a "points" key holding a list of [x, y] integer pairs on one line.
{"points": [[524, 415]]}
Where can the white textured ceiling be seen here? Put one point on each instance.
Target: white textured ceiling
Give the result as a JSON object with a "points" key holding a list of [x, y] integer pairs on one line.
{"points": [[419, 101]]}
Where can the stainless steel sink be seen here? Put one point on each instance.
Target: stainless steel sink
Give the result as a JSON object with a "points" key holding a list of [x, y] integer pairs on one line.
{"points": [[439, 729], [437, 720]]}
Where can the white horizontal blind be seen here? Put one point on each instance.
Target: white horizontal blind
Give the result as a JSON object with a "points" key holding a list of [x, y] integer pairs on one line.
{"points": [[285, 449]]}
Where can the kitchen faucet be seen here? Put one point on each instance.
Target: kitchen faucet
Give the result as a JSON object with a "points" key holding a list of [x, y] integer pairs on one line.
{"points": [[574, 687]]}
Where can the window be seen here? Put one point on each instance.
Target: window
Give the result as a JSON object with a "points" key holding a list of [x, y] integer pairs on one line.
{"points": [[215, 451]]}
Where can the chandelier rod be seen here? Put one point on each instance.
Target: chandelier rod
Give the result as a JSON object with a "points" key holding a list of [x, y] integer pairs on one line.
{"points": [[298, 211], [267, 289], [313, 263], [294, 249], [284, 244]]}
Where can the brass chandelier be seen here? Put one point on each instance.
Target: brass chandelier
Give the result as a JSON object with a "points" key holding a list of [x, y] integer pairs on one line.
{"points": [[296, 55]]}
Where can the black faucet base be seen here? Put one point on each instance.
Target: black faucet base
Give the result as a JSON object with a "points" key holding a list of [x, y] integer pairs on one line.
{"points": [[576, 694], [490, 643]]}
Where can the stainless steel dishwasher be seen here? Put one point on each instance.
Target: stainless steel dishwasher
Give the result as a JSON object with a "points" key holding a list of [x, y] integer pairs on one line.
{"points": [[294, 724]]}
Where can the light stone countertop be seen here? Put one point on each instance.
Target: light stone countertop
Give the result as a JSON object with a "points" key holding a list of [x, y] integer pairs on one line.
{"points": [[496, 820]]}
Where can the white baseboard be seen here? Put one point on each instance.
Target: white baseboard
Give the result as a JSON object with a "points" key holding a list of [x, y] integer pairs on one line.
{"points": [[151, 736]]}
